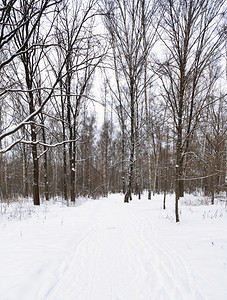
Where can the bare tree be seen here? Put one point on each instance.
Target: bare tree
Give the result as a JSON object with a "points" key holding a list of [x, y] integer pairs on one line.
{"points": [[118, 96], [150, 20], [32, 43], [24, 38], [192, 40], [80, 48], [14, 19], [123, 22], [214, 155]]}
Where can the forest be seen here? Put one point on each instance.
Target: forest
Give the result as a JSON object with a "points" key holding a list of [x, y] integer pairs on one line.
{"points": [[110, 96]]}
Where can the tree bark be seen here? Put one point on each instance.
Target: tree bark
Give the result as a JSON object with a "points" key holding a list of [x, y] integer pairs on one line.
{"points": [[65, 192], [146, 101], [128, 195]]}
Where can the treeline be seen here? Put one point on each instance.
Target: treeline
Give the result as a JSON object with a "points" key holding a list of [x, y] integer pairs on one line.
{"points": [[161, 74]]}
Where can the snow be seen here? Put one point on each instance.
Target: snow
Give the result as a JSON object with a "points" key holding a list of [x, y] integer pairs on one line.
{"points": [[109, 250]]}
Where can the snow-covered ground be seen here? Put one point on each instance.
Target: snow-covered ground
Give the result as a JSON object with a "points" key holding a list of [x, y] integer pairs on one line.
{"points": [[109, 250]]}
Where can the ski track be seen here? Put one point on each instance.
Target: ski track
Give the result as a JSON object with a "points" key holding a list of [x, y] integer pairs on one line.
{"points": [[121, 258]]}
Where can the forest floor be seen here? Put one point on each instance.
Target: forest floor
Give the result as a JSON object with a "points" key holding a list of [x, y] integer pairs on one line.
{"points": [[109, 250]]}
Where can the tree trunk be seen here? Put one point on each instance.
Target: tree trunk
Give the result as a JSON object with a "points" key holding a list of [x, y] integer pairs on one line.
{"points": [[25, 171], [137, 165], [2, 164], [123, 161], [71, 131], [65, 193], [212, 189], [122, 121], [156, 167], [128, 194], [35, 162], [179, 167], [146, 102], [164, 200], [72, 168], [178, 173], [177, 194], [45, 162]]}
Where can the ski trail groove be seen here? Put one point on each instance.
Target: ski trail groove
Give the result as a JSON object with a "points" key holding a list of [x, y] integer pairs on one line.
{"points": [[121, 258]]}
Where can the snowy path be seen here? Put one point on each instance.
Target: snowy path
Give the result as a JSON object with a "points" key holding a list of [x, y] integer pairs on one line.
{"points": [[103, 250], [119, 258]]}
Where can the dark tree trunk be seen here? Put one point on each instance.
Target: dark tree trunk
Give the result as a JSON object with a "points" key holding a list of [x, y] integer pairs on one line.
{"points": [[123, 153], [64, 172], [177, 194], [212, 189], [137, 151], [64, 145], [35, 161], [46, 180], [72, 166], [45, 158], [128, 194], [177, 175], [164, 200], [25, 173], [71, 130]]}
